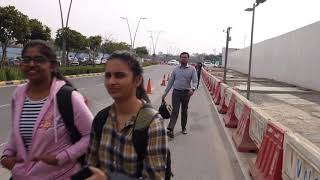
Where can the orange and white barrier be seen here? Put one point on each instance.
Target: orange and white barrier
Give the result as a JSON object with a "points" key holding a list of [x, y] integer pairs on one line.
{"points": [[301, 158], [268, 164], [258, 125], [241, 136], [222, 108]]}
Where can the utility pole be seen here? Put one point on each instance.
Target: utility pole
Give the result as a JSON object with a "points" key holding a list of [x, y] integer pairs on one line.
{"points": [[226, 55]]}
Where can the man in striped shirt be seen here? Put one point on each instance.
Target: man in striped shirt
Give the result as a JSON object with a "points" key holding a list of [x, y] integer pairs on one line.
{"points": [[184, 82]]}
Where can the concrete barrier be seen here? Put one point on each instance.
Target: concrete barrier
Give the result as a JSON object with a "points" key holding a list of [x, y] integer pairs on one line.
{"points": [[240, 102], [228, 95], [258, 125], [222, 108], [301, 158]]}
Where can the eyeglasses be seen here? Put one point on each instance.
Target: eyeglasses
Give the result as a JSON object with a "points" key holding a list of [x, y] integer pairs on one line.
{"points": [[35, 59]]}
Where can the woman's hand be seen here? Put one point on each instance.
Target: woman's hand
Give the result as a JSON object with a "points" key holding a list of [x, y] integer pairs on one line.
{"points": [[48, 159], [97, 174], [9, 162]]}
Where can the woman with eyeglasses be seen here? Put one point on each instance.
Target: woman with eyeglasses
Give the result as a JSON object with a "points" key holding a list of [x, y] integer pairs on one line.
{"points": [[39, 146]]}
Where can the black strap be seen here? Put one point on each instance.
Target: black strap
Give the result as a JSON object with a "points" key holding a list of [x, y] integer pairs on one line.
{"points": [[66, 110], [97, 126], [64, 101]]}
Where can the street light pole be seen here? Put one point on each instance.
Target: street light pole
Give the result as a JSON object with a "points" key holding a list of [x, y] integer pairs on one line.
{"points": [[251, 42], [154, 43], [157, 39], [250, 56], [226, 56], [128, 29], [63, 28], [135, 34]]}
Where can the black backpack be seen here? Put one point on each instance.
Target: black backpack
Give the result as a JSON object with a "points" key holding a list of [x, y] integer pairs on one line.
{"points": [[139, 137], [66, 110]]}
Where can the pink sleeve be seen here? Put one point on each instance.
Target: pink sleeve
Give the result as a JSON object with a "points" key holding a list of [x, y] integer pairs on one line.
{"points": [[10, 147], [83, 120]]}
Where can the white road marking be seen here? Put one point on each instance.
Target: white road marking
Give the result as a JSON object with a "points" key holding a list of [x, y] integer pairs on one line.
{"points": [[4, 105], [101, 84]]}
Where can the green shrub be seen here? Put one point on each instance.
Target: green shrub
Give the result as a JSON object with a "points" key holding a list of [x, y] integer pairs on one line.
{"points": [[14, 73], [2, 75]]}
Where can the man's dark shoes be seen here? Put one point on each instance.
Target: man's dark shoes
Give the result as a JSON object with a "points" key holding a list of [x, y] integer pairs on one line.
{"points": [[170, 133], [184, 131]]}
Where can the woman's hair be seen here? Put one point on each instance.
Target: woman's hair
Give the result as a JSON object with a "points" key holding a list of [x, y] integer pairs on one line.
{"points": [[131, 60], [46, 50]]}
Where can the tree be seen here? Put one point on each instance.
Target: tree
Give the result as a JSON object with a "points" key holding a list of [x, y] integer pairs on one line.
{"points": [[13, 27], [109, 47], [74, 40], [209, 57], [94, 43], [141, 51], [38, 30]]}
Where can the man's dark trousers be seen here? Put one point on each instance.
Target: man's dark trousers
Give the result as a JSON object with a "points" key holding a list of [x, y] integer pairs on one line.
{"points": [[179, 97]]}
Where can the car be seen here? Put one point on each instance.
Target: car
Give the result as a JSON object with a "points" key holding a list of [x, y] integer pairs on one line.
{"points": [[104, 60], [14, 61], [173, 62], [217, 64], [83, 60], [73, 61], [97, 61], [208, 64]]}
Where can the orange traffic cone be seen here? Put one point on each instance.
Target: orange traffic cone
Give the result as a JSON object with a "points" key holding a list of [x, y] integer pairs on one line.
{"points": [[168, 77], [163, 81], [149, 87]]}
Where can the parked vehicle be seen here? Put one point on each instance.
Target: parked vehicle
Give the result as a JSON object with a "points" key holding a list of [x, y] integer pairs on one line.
{"points": [[173, 62], [83, 61], [104, 60], [73, 61], [97, 61], [208, 64], [217, 64], [14, 61]]}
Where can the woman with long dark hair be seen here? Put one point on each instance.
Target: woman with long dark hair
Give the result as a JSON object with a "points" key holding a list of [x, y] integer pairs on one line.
{"points": [[114, 149], [39, 146]]}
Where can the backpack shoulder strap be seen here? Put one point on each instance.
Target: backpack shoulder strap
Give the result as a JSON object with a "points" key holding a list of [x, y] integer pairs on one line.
{"points": [[96, 131], [144, 117], [99, 121], [64, 101], [140, 134]]}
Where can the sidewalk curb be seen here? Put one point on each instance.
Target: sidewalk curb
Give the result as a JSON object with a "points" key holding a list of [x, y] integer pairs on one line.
{"points": [[243, 167]]}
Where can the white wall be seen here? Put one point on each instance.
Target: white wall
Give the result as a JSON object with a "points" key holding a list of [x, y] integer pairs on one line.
{"points": [[230, 51], [293, 58]]}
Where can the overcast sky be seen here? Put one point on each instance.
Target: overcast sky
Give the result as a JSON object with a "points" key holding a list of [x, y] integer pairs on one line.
{"points": [[187, 25]]}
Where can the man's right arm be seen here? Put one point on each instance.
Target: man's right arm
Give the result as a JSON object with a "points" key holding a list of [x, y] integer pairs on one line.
{"points": [[170, 83]]}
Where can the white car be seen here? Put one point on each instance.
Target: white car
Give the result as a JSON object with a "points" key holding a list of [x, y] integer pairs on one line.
{"points": [[97, 61], [208, 64], [103, 60], [173, 62]]}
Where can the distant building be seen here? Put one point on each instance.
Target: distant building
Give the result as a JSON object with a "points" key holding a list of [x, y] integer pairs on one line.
{"points": [[231, 50]]}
